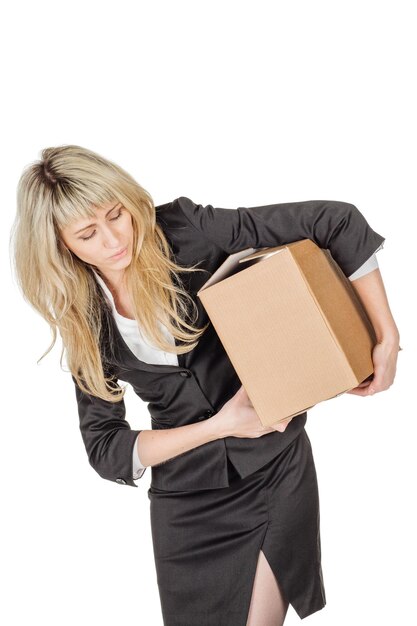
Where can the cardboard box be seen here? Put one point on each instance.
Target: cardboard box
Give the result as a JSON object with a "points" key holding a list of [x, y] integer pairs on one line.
{"points": [[292, 325]]}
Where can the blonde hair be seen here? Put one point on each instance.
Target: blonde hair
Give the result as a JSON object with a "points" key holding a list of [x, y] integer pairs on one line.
{"points": [[51, 193]]}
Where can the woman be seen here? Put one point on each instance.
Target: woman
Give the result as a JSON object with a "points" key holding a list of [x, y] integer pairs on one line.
{"points": [[234, 505]]}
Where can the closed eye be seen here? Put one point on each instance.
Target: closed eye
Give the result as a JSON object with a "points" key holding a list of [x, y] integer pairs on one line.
{"points": [[112, 219]]}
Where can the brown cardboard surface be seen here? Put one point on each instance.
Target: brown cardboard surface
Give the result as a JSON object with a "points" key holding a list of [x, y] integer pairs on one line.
{"points": [[292, 325]]}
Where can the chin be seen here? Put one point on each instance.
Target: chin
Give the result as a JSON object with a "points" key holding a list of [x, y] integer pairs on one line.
{"points": [[126, 263], [122, 264]]}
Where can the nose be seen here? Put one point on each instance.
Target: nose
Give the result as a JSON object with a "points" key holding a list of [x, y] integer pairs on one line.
{"points": [[111, 239]]}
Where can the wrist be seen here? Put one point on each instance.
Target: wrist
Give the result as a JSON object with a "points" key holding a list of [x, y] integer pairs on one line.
{"points": [[211, 426], [389, 336]]}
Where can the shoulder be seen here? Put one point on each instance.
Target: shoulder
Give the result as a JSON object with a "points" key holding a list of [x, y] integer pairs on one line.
{"points": [[180, 218], [193, 231], [169, 215], [175, 213]]}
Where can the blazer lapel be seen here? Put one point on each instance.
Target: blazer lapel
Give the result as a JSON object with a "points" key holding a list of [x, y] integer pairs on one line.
{"points": [[128, 358]]}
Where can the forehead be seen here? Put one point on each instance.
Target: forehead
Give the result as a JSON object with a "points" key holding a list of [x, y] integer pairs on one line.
{"points": [[83, 216]]}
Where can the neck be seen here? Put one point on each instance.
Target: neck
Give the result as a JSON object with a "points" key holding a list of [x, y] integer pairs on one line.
{"points": [[115, 281]]}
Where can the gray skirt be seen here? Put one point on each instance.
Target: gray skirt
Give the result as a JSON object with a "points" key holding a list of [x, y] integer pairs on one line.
{"points": [[206, 543]]}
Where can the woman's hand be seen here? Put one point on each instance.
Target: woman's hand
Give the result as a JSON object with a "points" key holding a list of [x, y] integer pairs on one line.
{"points": [[371, 291], [281, 426], [238, 418], [384, 357]]}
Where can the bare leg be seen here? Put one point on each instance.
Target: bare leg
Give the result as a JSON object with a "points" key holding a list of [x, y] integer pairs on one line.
{"points": [[268, 605]]}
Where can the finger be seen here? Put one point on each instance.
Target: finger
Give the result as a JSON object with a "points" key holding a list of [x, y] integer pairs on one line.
{"points": [[358, 392], [363, 385], [377, 383]]}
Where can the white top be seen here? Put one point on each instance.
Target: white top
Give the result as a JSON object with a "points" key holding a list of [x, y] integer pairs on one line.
{"points": [[148, 353]]}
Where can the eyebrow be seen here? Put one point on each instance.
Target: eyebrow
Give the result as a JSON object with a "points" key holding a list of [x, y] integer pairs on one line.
{"points": [[90, 225]]}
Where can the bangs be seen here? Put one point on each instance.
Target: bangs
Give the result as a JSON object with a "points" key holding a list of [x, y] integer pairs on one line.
{"points": [[70, 202]]}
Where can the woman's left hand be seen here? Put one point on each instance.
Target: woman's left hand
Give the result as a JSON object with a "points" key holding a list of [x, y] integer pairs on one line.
{"points": [[384, 357]]}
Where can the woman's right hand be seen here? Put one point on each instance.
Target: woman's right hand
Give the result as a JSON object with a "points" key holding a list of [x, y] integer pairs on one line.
{"points": [[238, 418]]}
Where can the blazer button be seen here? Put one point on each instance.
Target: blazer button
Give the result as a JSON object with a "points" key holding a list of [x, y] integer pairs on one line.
{"points": [[121, 481], [185, 374], [205, 415]]}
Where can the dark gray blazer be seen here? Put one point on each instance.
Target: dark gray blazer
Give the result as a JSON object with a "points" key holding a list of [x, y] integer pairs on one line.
{"points": [[205, 378]]}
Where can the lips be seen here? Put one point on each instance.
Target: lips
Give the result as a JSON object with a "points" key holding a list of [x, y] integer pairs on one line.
{"points": [[119, 253]]}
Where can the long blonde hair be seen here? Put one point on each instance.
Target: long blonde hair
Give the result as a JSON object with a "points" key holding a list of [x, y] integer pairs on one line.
{"points": [[62, 186]]}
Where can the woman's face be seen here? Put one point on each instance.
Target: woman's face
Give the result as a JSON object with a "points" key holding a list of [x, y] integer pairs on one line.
{"points": [[99, 240]]}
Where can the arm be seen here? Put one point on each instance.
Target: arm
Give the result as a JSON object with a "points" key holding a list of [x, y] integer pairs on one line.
{"points": [[109, 440], [107, 436], [154, 447], [371, 291], [337, 226]]}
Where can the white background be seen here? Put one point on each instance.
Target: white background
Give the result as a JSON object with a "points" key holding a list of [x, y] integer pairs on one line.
{"points": [[231, 104]]}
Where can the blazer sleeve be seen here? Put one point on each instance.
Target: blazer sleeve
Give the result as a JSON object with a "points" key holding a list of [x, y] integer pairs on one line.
{"points": [[369, 266], [337, 226], [107, 436]]}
